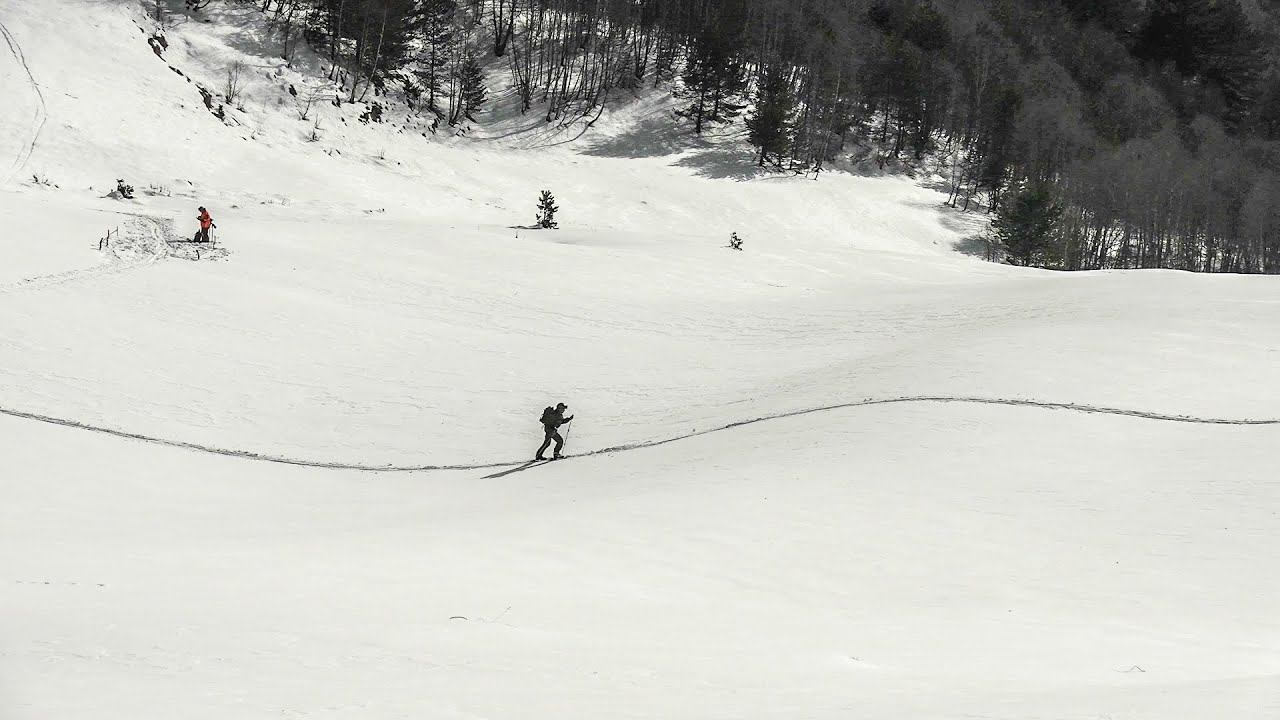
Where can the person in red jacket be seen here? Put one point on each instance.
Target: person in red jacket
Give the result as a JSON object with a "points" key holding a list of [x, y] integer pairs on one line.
{"points": [[206, 222]]}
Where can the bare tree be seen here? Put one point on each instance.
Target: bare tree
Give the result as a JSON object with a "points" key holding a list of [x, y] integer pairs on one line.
{"points": [[307, 99], [233, 86]]}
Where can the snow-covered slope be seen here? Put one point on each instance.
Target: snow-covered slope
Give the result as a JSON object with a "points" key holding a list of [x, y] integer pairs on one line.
{"points": [[904, 562], [379, 305]]}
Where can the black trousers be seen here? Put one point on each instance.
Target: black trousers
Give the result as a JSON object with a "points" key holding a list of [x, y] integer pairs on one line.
{"points": [[202, 235], [552, 436]]}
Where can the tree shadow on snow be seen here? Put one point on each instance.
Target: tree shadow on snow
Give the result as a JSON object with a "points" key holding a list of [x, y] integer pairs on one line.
{"points": [[728, 162], [973, 246], [969, 223], [716, 155], [654, 136]]}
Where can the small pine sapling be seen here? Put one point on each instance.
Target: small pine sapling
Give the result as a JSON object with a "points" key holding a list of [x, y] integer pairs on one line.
{"points": [[547, 210], [735, 242]]}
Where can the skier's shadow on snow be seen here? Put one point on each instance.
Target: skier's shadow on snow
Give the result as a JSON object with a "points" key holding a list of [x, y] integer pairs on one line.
{"points": [[516, 469]]}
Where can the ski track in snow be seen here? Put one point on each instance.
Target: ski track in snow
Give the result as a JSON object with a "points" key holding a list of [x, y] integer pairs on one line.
{"points": [[153, 249], [41, 112], [302, 462]]}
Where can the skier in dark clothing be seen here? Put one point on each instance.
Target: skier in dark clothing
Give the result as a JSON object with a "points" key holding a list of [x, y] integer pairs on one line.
{"points": [[552, 419]]}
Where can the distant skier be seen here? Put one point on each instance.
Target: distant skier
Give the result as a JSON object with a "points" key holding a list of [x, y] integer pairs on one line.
{"points": [[552, 419], [206, 222]]}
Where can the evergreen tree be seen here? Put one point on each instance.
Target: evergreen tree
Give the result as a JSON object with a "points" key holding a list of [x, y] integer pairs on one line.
{"points": [[770, 125], [372, 38], [1120, 16], [927, 29], [996, 155], [1024, 225], [473, 91], [714, 81], [1265, 116], [437, 33], [1211, 41], [547, 209]]}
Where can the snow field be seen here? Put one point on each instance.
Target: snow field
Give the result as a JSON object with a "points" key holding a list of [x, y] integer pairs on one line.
{"points": [[380, 306], [878, 561]]}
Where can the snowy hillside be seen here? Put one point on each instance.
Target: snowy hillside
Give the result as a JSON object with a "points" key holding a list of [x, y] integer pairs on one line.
{"points": [[1092, 548]]}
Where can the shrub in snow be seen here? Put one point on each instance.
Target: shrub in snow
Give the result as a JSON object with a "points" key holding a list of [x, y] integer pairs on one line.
{"points": [[735, 242], [372, 114], [306, 100], [234, 84], [547, 210], [124, 190]]}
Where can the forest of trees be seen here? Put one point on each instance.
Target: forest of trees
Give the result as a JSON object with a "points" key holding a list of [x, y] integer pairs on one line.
{"points": [[1102, 133]]}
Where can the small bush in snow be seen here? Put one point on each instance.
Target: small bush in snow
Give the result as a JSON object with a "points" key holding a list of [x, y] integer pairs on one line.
{"points": [[735, 242], [234, 84], [547, 210], [124, 190], [372, 114], [306, 100]]}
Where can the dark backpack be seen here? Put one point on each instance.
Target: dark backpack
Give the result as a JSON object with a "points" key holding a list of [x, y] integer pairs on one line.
{"points": [[548, 416]]}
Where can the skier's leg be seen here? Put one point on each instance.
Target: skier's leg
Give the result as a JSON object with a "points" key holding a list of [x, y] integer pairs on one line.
{"points": [[559, 444], [545, 444]]}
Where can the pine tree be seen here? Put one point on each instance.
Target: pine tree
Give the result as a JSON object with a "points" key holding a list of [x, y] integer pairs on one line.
{"points": [[770, 125], [438, 30], [547, 209], [474, 91], [1207, 40], [383, 32], [714, 81], [468, 91], [1121, 16], [1024, 225], [1265, 116]]}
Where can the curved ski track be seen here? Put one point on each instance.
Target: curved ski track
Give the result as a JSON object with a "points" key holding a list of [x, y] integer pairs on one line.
{"points": [[302, 462], [41, 112], [155, 251]]}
